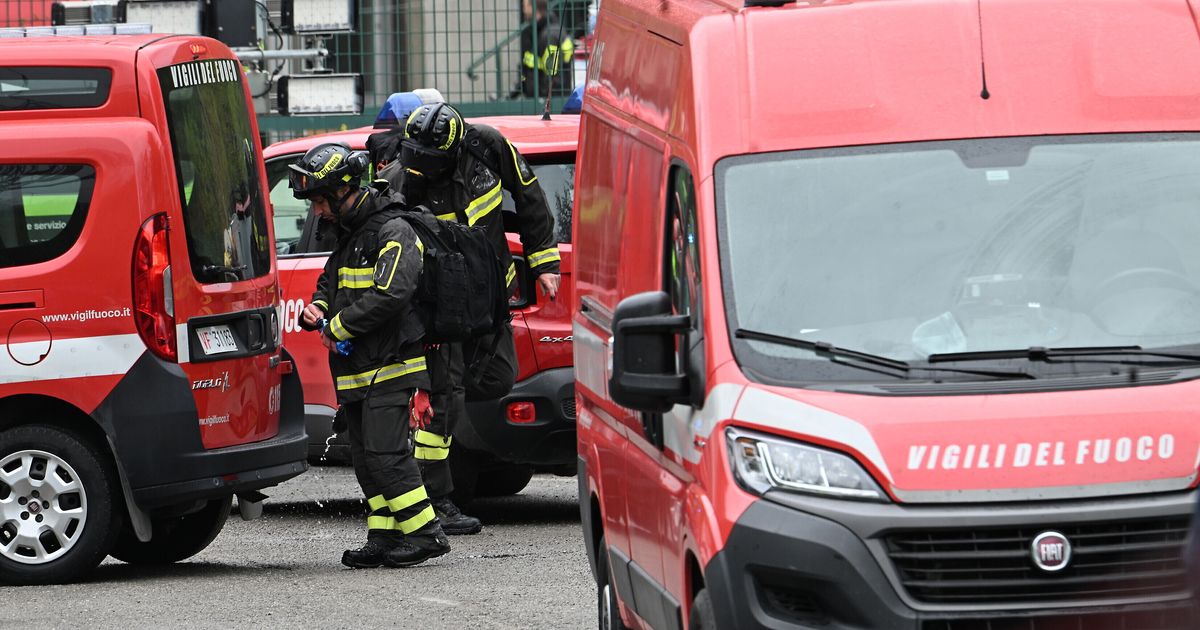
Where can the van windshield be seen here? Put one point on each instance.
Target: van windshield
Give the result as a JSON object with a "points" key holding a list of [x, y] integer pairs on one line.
{"points": [[223, 211], [914, 249]]}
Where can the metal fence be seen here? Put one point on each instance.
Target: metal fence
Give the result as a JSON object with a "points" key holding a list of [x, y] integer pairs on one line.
{"points": [[470, 50]]}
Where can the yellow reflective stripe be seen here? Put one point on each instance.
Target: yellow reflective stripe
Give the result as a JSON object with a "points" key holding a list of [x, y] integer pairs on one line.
{"points": [[408, 499], [421, 248], [322, 303], [339, 331], [517, 165], [381, 522], [417, 522], [484, 204], [356, 277], [545, 256], [376, 502], [527, 59], [385, 373], [449, 216], [395, 263], [432, 439], [430, 453], [512, 273]]}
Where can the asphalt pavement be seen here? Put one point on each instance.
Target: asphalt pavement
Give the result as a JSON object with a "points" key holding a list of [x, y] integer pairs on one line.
{"points": [[526, 570]]}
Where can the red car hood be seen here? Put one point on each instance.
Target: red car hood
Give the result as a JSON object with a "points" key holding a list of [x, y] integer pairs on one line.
{"points": [[1065, 444]]}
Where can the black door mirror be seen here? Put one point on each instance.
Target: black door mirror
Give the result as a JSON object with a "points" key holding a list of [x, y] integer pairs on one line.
{"points": [[645, 375]]}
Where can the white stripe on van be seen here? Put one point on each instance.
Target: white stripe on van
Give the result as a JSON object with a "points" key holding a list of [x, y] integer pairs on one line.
{"points": [[71, 358]]}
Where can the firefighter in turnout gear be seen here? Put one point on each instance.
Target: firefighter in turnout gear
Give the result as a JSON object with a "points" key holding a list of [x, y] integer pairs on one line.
{"points": [[460, 172], [365, 297]]}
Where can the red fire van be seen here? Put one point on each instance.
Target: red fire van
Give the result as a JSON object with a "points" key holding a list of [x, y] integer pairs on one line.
{"points": [[142, 383], [503, 441], [889, 313]]}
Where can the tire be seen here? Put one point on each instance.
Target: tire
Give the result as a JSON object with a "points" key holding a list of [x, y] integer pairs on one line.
{"points": [[74, 524], [608, 613], [503, 481], [174, 538], [702, 617]]}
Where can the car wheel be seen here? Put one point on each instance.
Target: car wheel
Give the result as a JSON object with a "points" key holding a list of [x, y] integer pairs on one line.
{"points": [[608, 612], [175, 538], [59, 511], [503, 481], [702, 612]]}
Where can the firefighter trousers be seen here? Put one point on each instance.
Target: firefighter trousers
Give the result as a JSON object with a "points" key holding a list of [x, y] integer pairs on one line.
{"points": [[382, 454], [491, 375]]}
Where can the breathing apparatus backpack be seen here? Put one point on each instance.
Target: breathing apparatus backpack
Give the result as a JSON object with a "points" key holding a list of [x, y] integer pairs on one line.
{"points": [[462, 293]]}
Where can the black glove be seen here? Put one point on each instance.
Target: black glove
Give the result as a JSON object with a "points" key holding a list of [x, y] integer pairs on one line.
{"points": [[339, 421]]}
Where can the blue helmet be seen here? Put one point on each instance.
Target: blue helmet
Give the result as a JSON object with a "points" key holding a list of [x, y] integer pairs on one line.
{"points": [[574, 102], [399, 105]]}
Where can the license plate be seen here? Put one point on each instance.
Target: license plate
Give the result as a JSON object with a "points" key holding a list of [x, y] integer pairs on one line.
{"points": [[216, 339]]}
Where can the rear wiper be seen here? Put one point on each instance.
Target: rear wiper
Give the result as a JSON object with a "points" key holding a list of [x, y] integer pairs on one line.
{"points": [[834, 353], [1038, 353], [210, 270]]}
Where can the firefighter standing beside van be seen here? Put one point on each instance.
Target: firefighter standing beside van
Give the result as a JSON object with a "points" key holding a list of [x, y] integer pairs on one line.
{"points": [[460, 172], [365, 297]]}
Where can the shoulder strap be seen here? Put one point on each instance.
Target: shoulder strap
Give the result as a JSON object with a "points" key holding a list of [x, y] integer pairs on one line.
{"points": [[376, 221], [482, 152]]}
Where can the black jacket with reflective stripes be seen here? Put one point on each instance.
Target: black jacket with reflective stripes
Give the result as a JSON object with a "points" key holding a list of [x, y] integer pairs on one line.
{"points": [[367, 291], [488, 165]]}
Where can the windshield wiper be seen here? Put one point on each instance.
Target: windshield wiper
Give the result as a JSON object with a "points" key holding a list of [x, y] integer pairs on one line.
{"points": [[834, 353], [1038, 353]]}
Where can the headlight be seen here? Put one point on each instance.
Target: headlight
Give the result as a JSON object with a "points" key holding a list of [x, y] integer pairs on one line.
{"points": [[761, 463]]}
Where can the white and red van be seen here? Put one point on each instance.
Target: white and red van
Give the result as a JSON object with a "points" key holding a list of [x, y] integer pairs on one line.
{"points": [[889, 313], [142, 378]]}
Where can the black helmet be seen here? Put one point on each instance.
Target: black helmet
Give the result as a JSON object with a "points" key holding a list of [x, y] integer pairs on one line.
{"points": [[432, 137], [325, 168]]}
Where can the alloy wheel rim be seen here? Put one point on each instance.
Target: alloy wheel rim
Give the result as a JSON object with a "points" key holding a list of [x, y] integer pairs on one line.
{"points": [[43, 507]]}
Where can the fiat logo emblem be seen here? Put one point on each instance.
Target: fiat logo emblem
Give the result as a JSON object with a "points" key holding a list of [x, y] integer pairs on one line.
{"points": [[1051, 551]]}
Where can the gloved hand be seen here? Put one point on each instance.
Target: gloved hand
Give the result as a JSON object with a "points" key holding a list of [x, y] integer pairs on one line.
{"points": [[420, 411], [339, 421]]}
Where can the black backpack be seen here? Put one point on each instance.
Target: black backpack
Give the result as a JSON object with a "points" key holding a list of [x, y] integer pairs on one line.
{"points": [[462, 293]]}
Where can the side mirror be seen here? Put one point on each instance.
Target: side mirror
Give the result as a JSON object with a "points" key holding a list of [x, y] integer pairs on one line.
{"points": [[644, 371]]}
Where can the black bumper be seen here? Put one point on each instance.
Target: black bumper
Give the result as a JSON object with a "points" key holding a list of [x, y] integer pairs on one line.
{"points": [[547, 441], [151, 419], [824, 564]]}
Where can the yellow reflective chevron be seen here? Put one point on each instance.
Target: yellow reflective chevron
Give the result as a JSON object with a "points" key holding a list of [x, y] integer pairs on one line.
{"points": [[355, 277], [408, 499], [381, 522], [512, 273], [339, 331], [385, 373], [545, 256], [484, 204], [376, 502], [432, 439], [417, 522]]}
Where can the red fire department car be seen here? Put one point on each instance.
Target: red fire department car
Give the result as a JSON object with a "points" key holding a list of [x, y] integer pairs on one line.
{"points": [[532, 427], [142, 380], [889, 313]]}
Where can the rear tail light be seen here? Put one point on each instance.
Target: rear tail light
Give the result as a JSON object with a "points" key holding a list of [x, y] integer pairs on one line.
{"points": [[521, 412], [153, 297]]}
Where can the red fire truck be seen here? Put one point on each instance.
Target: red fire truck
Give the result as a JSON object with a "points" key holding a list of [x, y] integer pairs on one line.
{"points": [[889, 313], [505, 440], [142, 379]]}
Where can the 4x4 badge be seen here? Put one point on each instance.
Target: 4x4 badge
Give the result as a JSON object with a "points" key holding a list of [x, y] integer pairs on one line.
{"points": [[1051, 551]]}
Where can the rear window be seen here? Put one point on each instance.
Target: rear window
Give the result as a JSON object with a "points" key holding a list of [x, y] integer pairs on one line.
{"points": [[24, 88], [224, 214], [558, 182], [42, 209]]}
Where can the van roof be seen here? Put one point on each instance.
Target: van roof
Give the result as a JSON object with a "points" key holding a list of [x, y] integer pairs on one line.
{"points": [[871, 71]]}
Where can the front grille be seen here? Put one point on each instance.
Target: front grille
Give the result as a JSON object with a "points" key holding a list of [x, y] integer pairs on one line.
{"points": [[1167, 617], [568, 408], [985, 566]]}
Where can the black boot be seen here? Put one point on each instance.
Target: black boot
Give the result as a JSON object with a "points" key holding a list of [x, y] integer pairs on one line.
{"points": [[419, 546], [454, 522], [369, 555]]}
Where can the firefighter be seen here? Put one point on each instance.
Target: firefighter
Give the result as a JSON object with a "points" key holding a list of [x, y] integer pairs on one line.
{"points": [[460, 172], [551, 61], [364, 310]]}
